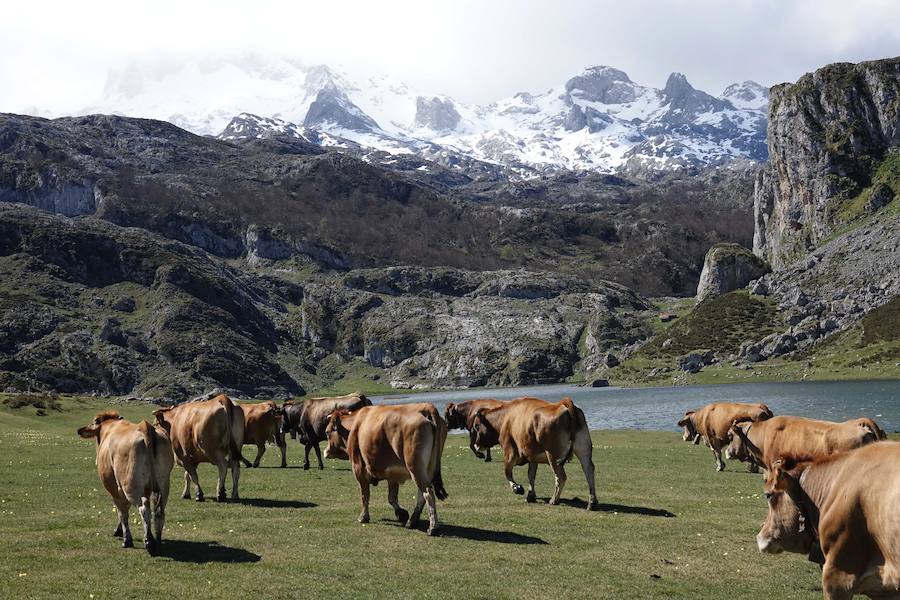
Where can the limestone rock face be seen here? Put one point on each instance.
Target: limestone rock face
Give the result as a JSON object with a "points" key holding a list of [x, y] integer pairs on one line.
{"points": [[829, 133], [728, 267]]}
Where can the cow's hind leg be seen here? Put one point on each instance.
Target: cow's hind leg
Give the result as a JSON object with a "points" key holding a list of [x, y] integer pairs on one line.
{"points": [[190, 475], [319, 456], [532, 473], [717, 452], [235, 478], [122, 507], [393, 493], [146, 520], [260, 450], [222, 466], [584, 450], [487, 454], [282, 445], [364, 500], [306, 457], [432, 510], [560, 472]]}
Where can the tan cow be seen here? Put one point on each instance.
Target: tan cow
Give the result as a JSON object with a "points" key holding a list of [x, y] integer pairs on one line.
{"points": [[262, 425], [842, 512], [712, 424], [393, 443], [209, 431], [462, 416], [799, 437], [134, 461], [310, 418], [533, 431]]}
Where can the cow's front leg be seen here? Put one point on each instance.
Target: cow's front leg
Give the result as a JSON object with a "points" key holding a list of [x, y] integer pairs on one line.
{"points": [[282, 446], [560, 472], [246, 462], [260, 450], [487, 454], [532, 473], [364, 499], [509, 463], [393, 495], [190, 474], [836, 584]]}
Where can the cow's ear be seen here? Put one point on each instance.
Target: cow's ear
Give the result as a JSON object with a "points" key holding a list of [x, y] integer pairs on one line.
{"points": [[777, 469], [89, 431]]}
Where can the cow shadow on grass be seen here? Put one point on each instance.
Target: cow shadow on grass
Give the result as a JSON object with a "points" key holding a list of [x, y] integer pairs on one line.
{"points": [[205, 552], [271, 503], [618, 508], [476, 534]]}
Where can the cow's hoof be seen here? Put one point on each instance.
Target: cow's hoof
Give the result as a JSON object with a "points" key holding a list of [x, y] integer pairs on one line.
{"points": [[150, 546], [364, 519], [402, 516], [412, 523], [720, 468], [593, 505], [185, 496], [283, 466], [199, 497], [518, 489], [127, 543], [487, 459], [248, 464], [306, 466], [221, 497], [531, 497], [118, 531], [480, 455], [753, 469], [433, 531], [553, 501], [321, 467]]}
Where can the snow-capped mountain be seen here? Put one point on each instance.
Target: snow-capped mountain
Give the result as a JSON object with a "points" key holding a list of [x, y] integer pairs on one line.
{"points": [[598, 120]]}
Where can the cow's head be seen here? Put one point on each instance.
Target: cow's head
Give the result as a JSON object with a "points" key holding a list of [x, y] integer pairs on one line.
{"points": [[739, 446], [483, 433], [454, 419], [336, 433], [690, 430], [93, 429], [790, 524], [160, 416], [764, 413]]}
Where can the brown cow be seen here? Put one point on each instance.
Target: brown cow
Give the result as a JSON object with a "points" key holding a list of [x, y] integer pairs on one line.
{"points": [[134, 461], [262, 424], [841, 511], [535, 431], [712, 424], [394, 443], [209, 431], [799, 437], [312, 417], [462, 416]]}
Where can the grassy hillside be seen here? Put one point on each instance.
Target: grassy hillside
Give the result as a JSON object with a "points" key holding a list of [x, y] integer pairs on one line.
{"points": [[669, 527]]}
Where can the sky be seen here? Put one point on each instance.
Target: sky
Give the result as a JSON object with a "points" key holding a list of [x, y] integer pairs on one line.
{"points": [[56, 55]]}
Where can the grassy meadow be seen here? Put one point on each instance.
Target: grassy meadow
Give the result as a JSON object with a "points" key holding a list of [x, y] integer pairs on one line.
{"points": [[669, 527]]}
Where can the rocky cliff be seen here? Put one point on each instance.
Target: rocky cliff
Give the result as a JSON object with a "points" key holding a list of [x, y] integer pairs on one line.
{"points": [[833, 139]]}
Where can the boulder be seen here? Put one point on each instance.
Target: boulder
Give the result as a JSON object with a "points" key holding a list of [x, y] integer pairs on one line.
{"points": [[728, 267]]}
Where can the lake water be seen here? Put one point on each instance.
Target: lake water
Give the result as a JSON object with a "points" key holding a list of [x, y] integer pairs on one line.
{"points": [[660, 408]]}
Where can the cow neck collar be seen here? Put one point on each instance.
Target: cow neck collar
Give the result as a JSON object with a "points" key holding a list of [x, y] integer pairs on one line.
{"points": [[753, 448]]}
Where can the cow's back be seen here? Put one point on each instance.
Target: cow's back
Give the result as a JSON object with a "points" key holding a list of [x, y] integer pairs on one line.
{"points": [[714, 420], [810, 439], [314, 412]]}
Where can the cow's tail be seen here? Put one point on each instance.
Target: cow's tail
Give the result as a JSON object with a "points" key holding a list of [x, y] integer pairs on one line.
{"points": [[439, 429], [869, 424], [576, 420], [234, 449], [149, 434]]}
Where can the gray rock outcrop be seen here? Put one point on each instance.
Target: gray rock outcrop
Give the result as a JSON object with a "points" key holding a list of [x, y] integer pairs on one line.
{"points": [[436, 114], [728, 267]]}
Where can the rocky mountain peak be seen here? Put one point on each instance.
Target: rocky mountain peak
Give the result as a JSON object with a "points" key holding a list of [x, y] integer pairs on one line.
{"points": [[603, 84], [748, 94], [332, 108], [436, 114]]}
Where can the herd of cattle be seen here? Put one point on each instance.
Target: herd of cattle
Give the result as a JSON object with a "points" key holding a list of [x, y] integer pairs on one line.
{"points": [[833, 494]]}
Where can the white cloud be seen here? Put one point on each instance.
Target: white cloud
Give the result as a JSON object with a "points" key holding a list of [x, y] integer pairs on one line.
{"points": [[56, 55]]}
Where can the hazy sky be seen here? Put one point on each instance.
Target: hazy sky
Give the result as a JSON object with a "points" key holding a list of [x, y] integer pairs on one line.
{"points": [[56, 55]]}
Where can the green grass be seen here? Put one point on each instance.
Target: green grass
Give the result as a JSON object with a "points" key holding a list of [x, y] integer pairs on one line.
{"points": [[296, 534]]}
